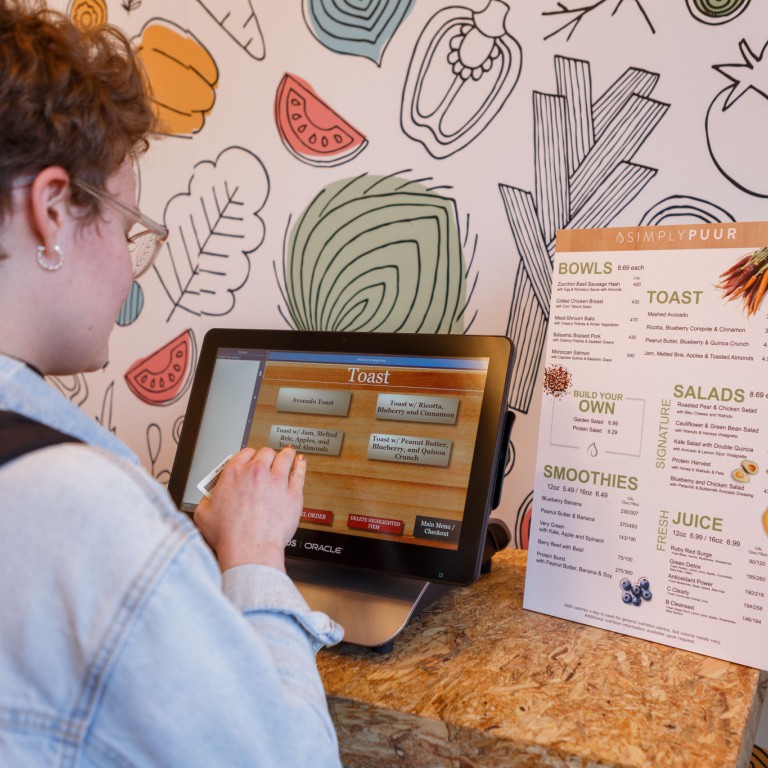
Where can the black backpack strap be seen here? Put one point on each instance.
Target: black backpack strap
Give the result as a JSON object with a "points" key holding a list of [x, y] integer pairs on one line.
{"points": [[20, 435]]}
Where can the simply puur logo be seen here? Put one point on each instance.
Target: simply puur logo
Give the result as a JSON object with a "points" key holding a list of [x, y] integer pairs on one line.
{"points": [[675, 235]]}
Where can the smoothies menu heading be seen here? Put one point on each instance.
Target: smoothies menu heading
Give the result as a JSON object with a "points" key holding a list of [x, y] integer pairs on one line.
{"points": [[651, 495]]}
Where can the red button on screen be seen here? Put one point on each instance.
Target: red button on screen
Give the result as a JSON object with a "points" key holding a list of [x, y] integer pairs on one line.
{"points": [[317, 516], [375, 524]]}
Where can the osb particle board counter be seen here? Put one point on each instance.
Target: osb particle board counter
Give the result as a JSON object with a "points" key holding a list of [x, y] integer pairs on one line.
{"points": [[478, 681]]}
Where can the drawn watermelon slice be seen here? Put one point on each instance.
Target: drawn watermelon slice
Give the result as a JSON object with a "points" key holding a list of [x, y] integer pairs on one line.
{"points": [[310, 129], [165, 375]]}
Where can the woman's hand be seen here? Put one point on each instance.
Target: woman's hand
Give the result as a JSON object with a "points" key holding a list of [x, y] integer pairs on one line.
{"points": [[255, 508]]}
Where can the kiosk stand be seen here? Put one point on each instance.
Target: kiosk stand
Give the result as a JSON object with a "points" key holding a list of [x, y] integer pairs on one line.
{"points": [[374, 607]]}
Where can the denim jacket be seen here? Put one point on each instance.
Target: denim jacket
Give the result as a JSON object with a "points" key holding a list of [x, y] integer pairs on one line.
{"points": [[121, 644]]}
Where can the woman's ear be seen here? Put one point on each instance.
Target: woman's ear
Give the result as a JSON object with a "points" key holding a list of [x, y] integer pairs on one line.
{"points": [[49, 205]]}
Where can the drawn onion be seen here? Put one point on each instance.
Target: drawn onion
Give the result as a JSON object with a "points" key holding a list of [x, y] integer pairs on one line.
{"points": [[376, 253]]}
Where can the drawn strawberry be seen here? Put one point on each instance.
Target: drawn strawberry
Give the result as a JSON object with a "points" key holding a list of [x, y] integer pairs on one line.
{"points": [[736, 120]]}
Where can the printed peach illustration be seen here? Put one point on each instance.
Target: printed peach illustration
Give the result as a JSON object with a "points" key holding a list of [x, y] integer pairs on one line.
{"points": [[182, 74]]}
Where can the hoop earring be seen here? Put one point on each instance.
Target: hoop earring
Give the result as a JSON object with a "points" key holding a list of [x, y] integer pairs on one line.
{"points": [[44, 264]]}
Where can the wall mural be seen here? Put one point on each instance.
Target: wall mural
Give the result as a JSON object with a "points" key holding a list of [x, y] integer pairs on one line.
{"points": [[387, 165], [583, 177]]}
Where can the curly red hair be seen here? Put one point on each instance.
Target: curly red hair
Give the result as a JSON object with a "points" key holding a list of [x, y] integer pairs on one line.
{"points": [[68, 97]]}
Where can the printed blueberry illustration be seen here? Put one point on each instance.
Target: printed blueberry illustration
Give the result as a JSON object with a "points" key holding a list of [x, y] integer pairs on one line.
{"points": [[637, 592], [356, 27], [737, 119], [463, 68]]}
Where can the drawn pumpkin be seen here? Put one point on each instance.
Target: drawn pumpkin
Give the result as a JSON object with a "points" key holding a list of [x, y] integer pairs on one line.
{"points": [[87, 14], [182, 74]]}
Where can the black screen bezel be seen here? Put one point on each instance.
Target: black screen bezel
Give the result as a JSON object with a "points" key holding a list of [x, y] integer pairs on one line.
{"points": [[460, 566]]}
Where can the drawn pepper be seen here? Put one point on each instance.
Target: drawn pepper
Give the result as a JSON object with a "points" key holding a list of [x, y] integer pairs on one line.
{"points": [[183, 76], [463, 68]]}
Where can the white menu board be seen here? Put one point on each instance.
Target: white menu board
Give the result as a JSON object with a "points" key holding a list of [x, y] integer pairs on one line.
{"points": [[650, 509]]}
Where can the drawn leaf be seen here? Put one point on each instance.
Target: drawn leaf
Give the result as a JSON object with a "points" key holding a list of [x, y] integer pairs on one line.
{"points": [[213, 226]]}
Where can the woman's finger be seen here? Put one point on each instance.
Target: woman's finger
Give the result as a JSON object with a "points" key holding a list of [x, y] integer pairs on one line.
{"points": [[298, 473], [243, 456], [284, 461]]}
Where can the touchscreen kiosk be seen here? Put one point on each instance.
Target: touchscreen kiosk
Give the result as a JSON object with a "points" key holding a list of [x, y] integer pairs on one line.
{"points": [[404, 438]]}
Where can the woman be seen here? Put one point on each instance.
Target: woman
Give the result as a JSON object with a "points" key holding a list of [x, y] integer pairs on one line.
{"points": [[122, 641]]}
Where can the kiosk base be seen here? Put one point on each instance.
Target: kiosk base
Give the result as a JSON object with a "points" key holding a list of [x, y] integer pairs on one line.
{"points": [[373, 608]]}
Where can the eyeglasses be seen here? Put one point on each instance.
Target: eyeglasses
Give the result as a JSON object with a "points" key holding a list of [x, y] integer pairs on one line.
{"points": [[145, 238]]}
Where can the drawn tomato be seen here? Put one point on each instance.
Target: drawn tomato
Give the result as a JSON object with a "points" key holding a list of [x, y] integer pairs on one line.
{"points": [[183, 76], [736, 120], [164, 376], [310, 129]]}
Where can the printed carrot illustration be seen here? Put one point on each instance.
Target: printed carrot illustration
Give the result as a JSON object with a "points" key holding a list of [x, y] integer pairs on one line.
{"points": [[747, 279]]}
